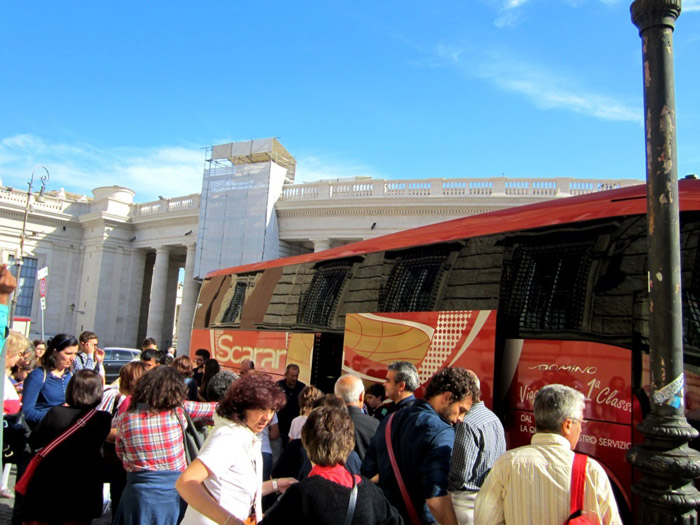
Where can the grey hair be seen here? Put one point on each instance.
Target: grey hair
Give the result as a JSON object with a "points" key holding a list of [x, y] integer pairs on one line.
{"points": [[218, 385], [407, 373], [554, 404], [350, 389]]}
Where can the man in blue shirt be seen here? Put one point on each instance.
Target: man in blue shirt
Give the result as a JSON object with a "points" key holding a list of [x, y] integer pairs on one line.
{"points": [[401, 381], [422, 437], [479, 440]]}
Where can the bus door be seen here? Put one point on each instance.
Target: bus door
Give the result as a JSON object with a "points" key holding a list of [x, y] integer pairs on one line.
{"points": [[327, 361]]}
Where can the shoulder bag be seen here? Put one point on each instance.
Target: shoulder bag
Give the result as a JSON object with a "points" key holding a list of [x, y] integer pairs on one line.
{"points": [[415, 520], [578, 482], [351, 504], [23, 483], [192, 439]]}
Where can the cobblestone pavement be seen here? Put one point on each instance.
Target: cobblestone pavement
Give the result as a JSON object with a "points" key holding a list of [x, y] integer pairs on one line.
{"points": [[6, 507]]}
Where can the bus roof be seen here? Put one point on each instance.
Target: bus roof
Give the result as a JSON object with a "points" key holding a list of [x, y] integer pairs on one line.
{"points": [[599, 205]]}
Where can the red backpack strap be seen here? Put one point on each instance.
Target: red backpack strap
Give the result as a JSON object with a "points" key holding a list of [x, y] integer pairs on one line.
{"points": [[578, 481], [415, 520]]}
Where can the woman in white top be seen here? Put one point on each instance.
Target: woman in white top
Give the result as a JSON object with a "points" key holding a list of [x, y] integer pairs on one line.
{"points": [[306, 402], [224, 484]]}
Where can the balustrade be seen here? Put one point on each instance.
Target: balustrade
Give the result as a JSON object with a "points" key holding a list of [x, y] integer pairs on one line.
{"points": [[478, 188]]}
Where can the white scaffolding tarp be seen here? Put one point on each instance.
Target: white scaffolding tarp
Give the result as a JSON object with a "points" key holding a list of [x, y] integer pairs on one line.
{"points": [[237, 219]]}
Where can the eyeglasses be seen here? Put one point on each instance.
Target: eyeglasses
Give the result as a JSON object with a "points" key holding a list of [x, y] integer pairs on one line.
{"points": [[581, 422]]}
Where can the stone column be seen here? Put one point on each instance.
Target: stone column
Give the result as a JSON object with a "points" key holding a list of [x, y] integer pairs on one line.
{"points": [[321, 244], [156, 307], [190, 291]]}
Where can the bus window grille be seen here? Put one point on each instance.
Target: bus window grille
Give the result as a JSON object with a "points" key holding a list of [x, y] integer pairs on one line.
{"points": [[233, 311], [549, 286], [412, 283], [691, 306], [692, 319], [322, 296]]}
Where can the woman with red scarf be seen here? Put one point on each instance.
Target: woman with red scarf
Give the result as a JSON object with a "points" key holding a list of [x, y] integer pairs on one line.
{"points": [[325, 495]]}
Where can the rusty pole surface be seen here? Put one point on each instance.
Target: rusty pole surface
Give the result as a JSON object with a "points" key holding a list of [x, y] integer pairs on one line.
{"points": [[666, 493]]}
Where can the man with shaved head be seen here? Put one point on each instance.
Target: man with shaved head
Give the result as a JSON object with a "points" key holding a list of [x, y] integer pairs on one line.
{"points": [[351, 390]]}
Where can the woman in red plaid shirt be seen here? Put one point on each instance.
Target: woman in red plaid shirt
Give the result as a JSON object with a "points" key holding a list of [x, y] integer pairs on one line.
{"points": [[150, 444]]}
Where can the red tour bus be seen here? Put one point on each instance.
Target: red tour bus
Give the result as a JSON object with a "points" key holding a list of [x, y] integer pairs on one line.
{"points": [[554, 292]]}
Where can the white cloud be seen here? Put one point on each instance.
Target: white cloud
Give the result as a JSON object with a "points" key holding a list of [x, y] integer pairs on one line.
{"points": [[690, 5], [311, 169], [544, 88], [80, 167], [170, 171]]}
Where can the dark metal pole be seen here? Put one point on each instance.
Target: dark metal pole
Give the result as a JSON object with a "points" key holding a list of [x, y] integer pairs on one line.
{"points": [[666, 492], [22, 235]]}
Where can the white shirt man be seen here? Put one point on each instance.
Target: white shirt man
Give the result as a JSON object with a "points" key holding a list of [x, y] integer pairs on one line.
{"points": [[531, 484]]}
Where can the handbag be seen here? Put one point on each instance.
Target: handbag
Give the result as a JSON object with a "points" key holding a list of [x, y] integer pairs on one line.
{"points": [[15, 438], [23, 483], [415, 520], [578, 482], [192, 439]]}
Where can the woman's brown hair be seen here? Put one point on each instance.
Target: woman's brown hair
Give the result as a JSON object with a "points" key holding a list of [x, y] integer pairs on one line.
{"points": [[328, 436], [129, 375], [183, 365], [84, 389]]}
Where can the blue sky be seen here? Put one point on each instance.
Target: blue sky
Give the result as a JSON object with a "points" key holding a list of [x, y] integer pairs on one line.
{"points": [[130, 93]]}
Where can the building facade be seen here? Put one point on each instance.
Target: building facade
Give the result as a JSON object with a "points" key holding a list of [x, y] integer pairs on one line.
{"points": [[115, 265]]}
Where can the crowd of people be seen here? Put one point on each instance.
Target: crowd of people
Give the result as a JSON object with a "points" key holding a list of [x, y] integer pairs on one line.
{"points": [[181, 440]]}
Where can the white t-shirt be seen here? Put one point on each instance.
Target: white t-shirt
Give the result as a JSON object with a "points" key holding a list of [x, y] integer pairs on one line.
{"points": [[231, 452], [295, 427]]}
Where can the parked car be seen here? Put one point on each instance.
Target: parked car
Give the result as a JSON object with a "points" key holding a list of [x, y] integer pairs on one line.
{"points": [[116, 358]]}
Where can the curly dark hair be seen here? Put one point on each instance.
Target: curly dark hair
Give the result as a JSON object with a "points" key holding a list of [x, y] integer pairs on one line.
{"points": [[84, 389], [254, 390], [160, 389], [57, 343], [457, 381], [328, 436]]}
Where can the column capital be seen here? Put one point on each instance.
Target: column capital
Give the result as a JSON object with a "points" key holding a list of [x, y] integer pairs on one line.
{"points": [[650, 13]]}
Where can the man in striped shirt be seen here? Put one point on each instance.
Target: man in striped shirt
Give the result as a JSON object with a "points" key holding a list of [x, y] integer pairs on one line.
{"points": [[532, 484], [479, 440]]}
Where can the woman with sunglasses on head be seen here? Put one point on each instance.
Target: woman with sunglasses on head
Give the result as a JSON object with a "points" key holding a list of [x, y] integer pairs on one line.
{"points": [[45, 386]]}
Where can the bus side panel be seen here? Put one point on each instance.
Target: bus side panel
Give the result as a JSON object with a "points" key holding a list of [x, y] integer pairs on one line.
{"points": [[603, 374], [429, 340], [269, 350]]}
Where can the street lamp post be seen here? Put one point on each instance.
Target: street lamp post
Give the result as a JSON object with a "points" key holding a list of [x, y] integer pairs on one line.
{"points": [[44, 179], [666, 492]]}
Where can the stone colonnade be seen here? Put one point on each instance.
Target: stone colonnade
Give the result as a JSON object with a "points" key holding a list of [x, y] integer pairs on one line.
{"points": [[162, 313]]}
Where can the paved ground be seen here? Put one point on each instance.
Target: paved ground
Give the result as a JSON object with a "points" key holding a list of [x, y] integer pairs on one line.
{"points": [[6, 507]]}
